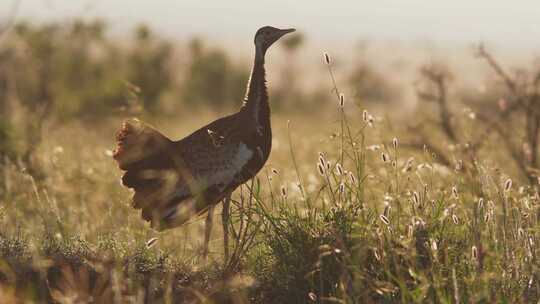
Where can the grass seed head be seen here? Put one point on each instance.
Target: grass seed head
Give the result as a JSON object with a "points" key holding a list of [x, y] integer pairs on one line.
{"points": [[416, 198], [151, 242], [386, 211], [507, 185], [481, 203], [370, 121], [376, 254], [434, 246], [352, 179], [326, 58], [341, 188], [341, 100], [474, 253], [339, 169], [322, 160], [365, 116], [455, 219], [384, 219], [455, 192], [521, 233], [487, 217], [321, 169]]}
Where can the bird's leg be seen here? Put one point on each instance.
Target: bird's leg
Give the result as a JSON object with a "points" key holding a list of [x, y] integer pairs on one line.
{"points": [[207, 229], [225, 221]]}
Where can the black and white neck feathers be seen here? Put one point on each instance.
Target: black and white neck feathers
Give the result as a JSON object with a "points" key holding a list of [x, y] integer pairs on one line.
{"points": [[256, 101]]}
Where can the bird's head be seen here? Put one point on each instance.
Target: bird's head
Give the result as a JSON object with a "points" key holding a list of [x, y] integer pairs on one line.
{"points": [[267, 35]]}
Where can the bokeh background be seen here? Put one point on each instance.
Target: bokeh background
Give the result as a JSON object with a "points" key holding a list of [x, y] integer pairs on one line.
{"points": [[438, 137], [67, 62]]}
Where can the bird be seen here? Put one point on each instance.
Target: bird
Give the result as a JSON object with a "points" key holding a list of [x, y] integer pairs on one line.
{"points": [[175, 181]]}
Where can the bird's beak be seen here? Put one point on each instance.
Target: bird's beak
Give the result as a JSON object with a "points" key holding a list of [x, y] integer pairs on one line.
{"points": [[285, 31]]}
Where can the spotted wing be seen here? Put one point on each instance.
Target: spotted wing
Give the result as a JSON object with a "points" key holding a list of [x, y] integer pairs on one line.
{"points": [[173, 181]]}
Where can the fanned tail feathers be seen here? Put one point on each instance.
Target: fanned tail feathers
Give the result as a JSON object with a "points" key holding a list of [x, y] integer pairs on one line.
{"points": [[136, 141], [174, 182], [143, 153]]}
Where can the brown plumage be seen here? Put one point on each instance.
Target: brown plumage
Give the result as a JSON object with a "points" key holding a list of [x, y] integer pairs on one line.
{"points": [[176, 180]]}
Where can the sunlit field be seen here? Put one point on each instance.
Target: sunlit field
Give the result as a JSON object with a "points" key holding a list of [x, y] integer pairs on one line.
{"points": [[377, 190]]}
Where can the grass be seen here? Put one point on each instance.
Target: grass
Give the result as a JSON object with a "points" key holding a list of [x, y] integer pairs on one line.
{"points": [[331, 219]]}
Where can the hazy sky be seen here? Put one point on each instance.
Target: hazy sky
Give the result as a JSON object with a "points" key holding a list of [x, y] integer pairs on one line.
{"points": [[506, 23]]}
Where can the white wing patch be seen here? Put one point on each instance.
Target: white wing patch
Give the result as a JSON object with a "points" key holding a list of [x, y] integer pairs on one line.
{"points": [[214, 167], [223, 176]]}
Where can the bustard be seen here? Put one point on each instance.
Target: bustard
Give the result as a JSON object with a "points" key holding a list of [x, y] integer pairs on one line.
{"points": [[176, 180]]}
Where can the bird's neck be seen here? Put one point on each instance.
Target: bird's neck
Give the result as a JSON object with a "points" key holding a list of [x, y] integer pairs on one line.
{"points": [[256, 100]]}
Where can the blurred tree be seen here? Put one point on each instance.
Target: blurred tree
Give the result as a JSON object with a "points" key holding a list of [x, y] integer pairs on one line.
{"points": [[83, 72], [369, 85], [513, 118], [33, 75], [212, 79], [52, 69], [288, 90], [7, 148], [74, 71], [149, 67]]}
